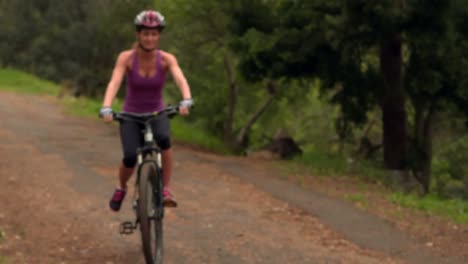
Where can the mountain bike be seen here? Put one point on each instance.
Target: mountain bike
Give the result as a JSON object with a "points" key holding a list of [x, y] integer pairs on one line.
{"points": [[148, 202]]}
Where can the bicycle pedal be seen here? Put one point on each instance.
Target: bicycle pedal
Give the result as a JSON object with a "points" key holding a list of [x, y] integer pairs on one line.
{"points": [[127, 228]]}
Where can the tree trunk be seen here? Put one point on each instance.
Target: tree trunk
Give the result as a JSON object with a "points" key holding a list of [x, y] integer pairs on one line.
{"points": [[232, 100], [241, 138], [427, 158], [343, 130], [393, 103], [422, 147]]}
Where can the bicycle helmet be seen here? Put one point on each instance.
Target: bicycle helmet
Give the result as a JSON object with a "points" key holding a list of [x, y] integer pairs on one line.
{"points": [[149, 19]]}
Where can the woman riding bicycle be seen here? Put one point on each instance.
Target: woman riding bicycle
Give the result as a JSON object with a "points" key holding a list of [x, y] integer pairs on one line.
{"points": [[145, 68]]}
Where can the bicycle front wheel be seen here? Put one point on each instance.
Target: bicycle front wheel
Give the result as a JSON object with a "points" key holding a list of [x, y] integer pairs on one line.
{"points": [[150, 213]]}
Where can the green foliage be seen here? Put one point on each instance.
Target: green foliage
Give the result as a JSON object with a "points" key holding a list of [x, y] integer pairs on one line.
{"points": [[370, 171], [185, 132], [324, 163], [451, 170], [333, 40], [453, 208], [67, 40], [205, 51], [354, 46], [196, 35]]}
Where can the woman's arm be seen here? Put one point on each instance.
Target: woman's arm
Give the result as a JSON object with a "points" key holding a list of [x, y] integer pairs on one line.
{"points": [[116, 79], [178, 75]]}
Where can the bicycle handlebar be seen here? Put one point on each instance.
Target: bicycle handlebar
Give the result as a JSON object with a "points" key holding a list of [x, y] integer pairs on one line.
{"points": [[170, 111]]}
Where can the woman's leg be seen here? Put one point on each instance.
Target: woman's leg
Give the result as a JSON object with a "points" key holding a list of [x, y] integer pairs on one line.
{"points": [[124, 175], [161, 130], [167, 165], [131, 140]]}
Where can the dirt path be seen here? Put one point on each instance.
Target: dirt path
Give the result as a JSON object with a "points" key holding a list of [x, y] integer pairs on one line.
{"points": [[57, 174]]}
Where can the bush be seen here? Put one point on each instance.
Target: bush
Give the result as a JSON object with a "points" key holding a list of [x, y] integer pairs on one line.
{"points": [[450, 170]]}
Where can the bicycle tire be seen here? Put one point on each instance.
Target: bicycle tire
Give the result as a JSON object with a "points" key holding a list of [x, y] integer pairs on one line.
{"points": [[150, 212]]}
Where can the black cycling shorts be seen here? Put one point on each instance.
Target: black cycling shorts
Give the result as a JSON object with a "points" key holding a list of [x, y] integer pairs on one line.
{"points": [[131, 137]]}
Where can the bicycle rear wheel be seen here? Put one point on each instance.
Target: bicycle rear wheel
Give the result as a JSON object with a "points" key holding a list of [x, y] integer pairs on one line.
{"points": [[150, 213]]}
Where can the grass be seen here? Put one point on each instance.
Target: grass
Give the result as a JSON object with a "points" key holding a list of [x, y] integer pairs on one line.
{"points": [[3, 260], [323, 163], [453, 208], [17, 81], [84, 107], [358, 199]]}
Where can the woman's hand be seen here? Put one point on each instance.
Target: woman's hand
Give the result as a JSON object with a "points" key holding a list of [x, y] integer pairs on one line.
{"points": [[184, 106], [184, 111], [106, 114]]}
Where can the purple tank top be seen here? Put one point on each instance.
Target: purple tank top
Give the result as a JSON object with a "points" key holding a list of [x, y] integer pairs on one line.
{"points": [[144, 95]]}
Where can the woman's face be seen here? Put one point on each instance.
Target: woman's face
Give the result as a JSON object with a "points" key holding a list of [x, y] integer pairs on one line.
{"points": [[148, 38]]}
